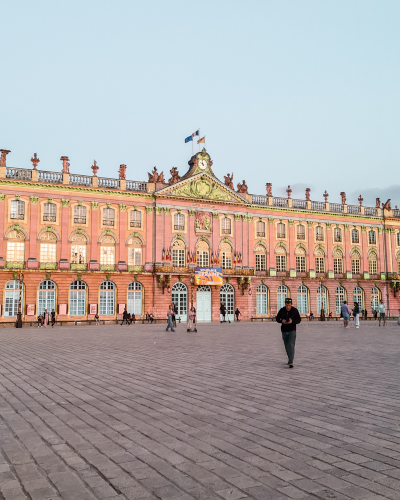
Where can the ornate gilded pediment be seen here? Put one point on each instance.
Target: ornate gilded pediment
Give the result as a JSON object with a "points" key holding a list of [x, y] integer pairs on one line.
{"points": [[202, 186]]}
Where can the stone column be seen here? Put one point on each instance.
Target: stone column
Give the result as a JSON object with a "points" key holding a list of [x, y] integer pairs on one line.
{"points": [[244, 241], [2, 215], [381, 262], [167, 228], [292, 263], [393, 248], [386, 235], [215, 233], [364, 249], [251, 243], [149, 239], [122, 264], [310, 246], [191, 232], [64, 261], [159, 235], [238, 235], [347, 248], [32, 262], [94, 264], [329, 247], [271, 252]]}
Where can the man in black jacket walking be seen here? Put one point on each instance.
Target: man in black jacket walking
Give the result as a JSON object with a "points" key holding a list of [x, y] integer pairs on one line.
{"points": [[289, 317]]}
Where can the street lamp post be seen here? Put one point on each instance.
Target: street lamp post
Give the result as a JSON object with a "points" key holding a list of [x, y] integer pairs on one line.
{"points": [[18, 323]]}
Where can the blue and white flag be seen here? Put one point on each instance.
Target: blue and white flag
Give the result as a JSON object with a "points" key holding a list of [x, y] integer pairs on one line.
{"points": [[190, 138]]}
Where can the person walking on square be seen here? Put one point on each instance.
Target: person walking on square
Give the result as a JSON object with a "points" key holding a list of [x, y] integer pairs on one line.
{"points": [[289, 317], [174, 312], [345, 311], [46, 318], [169, 316], [381, 311], [53, 318], [356, 315], [237, 314], [190, 319]]}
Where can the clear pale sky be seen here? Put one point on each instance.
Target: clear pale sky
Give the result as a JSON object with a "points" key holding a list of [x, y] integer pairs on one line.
{"points": [[290, 92]]}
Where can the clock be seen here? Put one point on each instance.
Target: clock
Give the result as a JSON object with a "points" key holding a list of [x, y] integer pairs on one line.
{"points": [[202, 164]]}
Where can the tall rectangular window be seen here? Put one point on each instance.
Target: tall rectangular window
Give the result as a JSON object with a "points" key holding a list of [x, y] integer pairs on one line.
{"points": [[134, 256], [372, 237], [355, 266], [300, 264], [261, 229], [136, 218], [49, 212], [281, 262], [320, 264], [178, 257], [261, 262], [179, 222], [301, 232], [15, 251], [78, 254], [17, 209], [107, 255], [281, 230], [337, 235], [338, 266], [373, 266], [79, 214], [226, 225], [47, 252], [202, 258], [319, 233], [108, 217], [226, 260]]}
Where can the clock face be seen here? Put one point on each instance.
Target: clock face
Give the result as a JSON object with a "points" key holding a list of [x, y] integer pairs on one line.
{"points": [[202, 164]]}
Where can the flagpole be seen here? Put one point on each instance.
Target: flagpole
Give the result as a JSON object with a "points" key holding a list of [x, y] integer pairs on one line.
{"points": [[192, 146], [199, 139]]}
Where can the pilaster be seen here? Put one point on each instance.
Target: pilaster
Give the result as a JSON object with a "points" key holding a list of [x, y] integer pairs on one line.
{"points": [[292, 264], [271, 235], [149, 239], [381, 261], [364, 249], [94, 264], [329, 247], [122, 265], [2, 215], [32, 262], [310, 265], [347, 247], [64, 263]]}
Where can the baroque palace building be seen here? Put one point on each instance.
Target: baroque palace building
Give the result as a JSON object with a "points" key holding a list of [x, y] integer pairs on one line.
{"points": [[88, 244]]}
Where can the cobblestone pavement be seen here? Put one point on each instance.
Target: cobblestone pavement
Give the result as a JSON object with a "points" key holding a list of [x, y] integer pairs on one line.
{"points": [[133, 412]]}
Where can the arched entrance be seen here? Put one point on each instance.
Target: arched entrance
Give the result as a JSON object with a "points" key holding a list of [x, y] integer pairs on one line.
{"points": [[203, 303], [180, 299], [227, 297]]}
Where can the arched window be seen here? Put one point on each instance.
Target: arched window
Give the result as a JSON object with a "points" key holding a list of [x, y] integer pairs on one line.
{"points": [[302, 299], [261, 258], [178, 253], [372, 237], [355, 262], [49, 212], [48, 247], [226, 225], [319, 233], [79, 214], [78, 248], [17, 209], [107, 299], [136, 218], [108, 217], [77, 298], [339, 298], [202, 254], [374, 299], [337, 235], [282, 293], [300, 259], [226, 256], [180, 299], [179, 222], [372, 263], [280, 258], [261, 229], [11, 299], [262, 300], [15, 246], [301, 232], [134, 252], [338, 261], [280, 230], [107, 251], [355, 236], [319, 261], [358, 297], [321, 299], [135, 298], [46, 296], [227, 297]]}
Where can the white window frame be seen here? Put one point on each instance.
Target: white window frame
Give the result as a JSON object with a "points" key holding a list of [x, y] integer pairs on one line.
{"points": [[281, 264], [300, 263], [136, 218], [226, 225], [17, 209]]}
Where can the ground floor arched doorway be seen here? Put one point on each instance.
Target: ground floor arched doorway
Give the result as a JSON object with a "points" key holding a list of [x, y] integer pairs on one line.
{"points": [[203, 303], [180, 300], [227, 297]]}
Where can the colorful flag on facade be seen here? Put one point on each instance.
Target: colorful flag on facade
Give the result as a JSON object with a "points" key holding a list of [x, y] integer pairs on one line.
{"points": [[202, 140]]}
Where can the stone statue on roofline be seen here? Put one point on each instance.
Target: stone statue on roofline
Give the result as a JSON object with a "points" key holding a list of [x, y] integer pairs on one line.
{"points": [[378, 203], [121, 172], [242, 188], [269, 188], [229, 181], [343, 195], [174, 176], [154, 176]]}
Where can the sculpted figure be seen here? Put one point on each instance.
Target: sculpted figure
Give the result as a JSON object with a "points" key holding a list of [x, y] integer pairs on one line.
{"points": [[4, 153], [155, 176], [121, 171], [308, 194], [242, 188], [343, 195], [207, 223], [378, 203], [228, 181], [386, 206], [269, 189], [65, 160], [174, 176]]}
